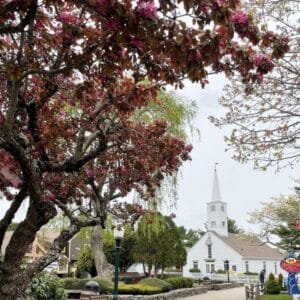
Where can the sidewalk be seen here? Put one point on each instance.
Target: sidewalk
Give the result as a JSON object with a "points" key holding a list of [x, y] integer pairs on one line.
{"points": [[230, 294]]}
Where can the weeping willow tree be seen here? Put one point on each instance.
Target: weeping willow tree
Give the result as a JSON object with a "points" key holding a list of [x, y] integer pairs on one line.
{"points": [[158, 244], [179, 113]]}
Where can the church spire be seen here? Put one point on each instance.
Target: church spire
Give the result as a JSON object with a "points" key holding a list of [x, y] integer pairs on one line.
{"points": [[217, 210], [216, 194]]}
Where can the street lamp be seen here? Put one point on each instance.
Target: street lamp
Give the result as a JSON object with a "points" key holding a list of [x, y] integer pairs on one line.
{"points": [[226, 265], [118, 234]]}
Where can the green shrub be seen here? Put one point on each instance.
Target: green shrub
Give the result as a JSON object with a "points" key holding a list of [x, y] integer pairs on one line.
{"points": [[155, 282], [180, 282], [86, 263], [73, 283], [106, 286], [272, 287], [46, 287], [194, 270], [280, 281], [271, 276], [221, 271], [146, 287]]}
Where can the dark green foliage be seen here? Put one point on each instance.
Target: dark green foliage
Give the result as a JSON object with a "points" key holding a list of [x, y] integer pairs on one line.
{"points": [[73, 283], [46, 287], [232, 226], [194, 270], [107, 286], [180, 282], [276, 297], [162, 284], [271, 276], [280, 281], [86, 263], [272, 286], [159, 243], [189, 237], [126, 253]]}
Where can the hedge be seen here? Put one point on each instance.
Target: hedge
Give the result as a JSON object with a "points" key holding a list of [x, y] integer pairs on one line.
{"points": [[180, 282], [107, 286], [155, 282]]}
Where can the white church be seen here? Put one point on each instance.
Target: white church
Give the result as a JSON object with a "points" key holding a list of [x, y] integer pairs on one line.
{"points": [[245, 254]]}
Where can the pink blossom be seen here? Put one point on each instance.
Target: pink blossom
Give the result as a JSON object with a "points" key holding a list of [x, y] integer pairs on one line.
{"points": [[189, 147], [259, 77], [138, 43], [121, 170], [173, 215], [51, 197], [90, 173], [103, 2], [147, 9], [103, 171], [263, 63], [220, 2], [57, 179], [240, 18], [198, 54], [113, 25], [67, 17]]}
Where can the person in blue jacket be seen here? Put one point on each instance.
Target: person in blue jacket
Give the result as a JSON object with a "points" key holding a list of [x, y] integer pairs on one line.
{"points": [[262, 275]]}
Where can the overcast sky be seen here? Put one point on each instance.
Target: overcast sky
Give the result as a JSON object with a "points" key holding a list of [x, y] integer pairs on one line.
{"points": [[241, 186]]}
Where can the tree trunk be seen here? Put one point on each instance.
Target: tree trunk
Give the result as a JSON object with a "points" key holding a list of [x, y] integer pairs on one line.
{"points": [[14, 280], [104, 269]]}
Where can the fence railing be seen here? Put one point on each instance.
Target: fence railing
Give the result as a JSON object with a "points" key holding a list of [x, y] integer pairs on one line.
{"points": [[252, 292], [240, 278]]}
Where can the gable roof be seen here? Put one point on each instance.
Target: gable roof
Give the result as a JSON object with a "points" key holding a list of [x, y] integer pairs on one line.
{"points": [[250, 247]]}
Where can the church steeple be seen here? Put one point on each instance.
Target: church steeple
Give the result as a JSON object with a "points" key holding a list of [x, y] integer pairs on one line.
{"points": [[216, 194], [217, 210]]}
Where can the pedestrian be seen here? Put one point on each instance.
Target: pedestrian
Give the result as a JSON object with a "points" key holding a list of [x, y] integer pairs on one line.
{"points": [[262, 279]]}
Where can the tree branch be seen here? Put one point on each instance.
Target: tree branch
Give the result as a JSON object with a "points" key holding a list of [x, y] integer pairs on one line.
{"points": [[7, 219]]}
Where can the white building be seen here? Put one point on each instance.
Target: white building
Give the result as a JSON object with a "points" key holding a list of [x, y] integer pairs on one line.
{"points": [[245, 254]]}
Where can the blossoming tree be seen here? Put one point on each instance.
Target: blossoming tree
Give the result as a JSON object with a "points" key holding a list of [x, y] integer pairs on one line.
{"points": [[265, 117], [72, 75]]}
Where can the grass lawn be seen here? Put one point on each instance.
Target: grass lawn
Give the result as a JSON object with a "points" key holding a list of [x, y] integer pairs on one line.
{"points": [[276, 297]]}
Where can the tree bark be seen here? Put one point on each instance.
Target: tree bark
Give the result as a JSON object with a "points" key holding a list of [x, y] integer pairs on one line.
{"points": [[14, 280], [104, 269]]}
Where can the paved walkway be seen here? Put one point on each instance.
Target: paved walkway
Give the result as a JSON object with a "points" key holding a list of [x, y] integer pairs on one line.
{"points": [[230, 294]]}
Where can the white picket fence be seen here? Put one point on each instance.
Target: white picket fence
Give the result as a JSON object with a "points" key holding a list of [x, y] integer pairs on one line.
{"points": [[240, 278]]}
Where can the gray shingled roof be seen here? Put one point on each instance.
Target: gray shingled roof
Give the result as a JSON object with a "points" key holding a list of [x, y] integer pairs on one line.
{"points": [[250, 247]]}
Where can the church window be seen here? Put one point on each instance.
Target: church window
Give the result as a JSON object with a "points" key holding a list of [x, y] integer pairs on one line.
{"points": [[247, 266], [212, 268], [207, 268], [213, 208], [222, 207], [195, 264], [223, 224], [275, 268], [209, 249], [213, 224], [264, 265], [233, 268]]}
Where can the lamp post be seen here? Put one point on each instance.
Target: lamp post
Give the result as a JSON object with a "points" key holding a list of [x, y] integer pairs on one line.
{"points": [[118, 234], [226, 264]]}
